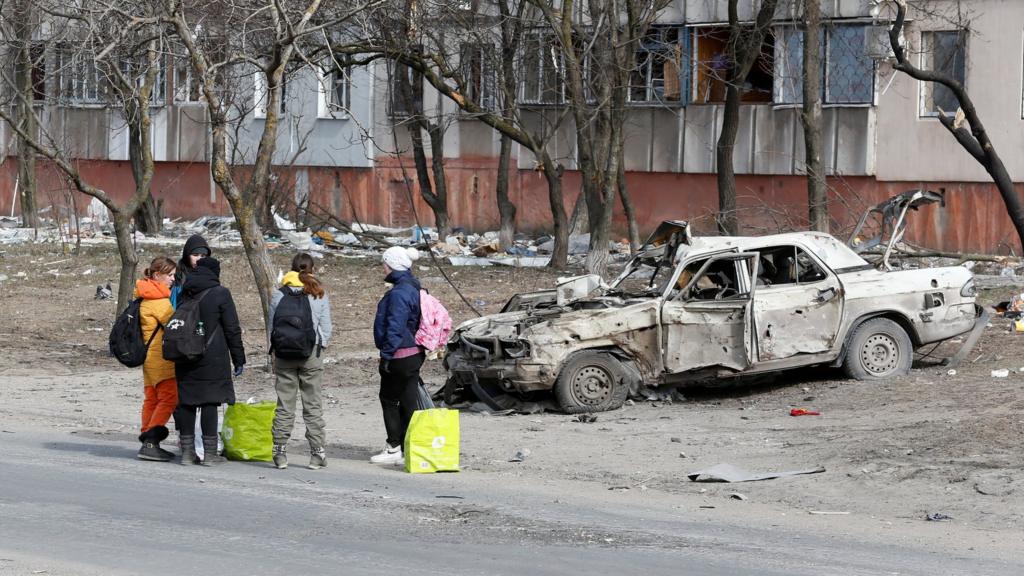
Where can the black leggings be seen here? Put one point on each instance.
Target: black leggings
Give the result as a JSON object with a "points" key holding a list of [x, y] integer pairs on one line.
{"points": [[185, 419], [398, 394]]}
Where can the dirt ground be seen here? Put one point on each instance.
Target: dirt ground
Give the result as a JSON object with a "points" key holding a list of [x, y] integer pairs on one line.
{"points": [[894, 452]]}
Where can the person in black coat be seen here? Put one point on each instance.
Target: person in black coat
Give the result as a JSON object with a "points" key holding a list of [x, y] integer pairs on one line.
{"points": [[206, 383], [196, 248]]}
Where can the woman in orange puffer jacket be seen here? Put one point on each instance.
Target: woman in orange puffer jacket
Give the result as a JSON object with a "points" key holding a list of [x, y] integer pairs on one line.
{"points": [[158, 374]]}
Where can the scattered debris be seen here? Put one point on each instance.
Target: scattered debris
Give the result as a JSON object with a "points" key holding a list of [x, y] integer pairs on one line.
{"points": [[586, 418], [937, 517], [520, 455], [803, 412], [737, 496], [1001, 373], [676, 440], [828, 513], [730, 473]]}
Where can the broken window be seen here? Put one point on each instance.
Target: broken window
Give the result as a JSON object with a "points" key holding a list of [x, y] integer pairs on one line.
{"points": [[781, 265], [848, 73], [710, 65], [657, 77], [406, 91], [719, 281], [541, 67], [943, 51], [478, 73]]}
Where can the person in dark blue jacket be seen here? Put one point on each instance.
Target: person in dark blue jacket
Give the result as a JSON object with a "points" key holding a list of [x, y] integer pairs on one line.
{"points": [[394, 334]]}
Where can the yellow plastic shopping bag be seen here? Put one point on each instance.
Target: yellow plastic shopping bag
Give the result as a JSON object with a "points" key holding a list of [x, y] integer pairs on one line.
{"points": [[432, 441]]}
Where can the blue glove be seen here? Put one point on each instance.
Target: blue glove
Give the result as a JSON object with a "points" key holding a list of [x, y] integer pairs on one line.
{"points": [[238, 370]]}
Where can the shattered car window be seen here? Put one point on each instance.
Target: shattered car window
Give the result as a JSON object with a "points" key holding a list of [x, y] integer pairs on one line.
{"points": [[780, 265], [646, 279], [718, 282]]}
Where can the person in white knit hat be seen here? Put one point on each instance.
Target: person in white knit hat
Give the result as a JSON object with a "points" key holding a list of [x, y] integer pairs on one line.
{"points": [[394, 334]]}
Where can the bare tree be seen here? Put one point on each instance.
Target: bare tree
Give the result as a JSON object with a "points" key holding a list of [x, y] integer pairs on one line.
{"points": [[743, 49], [811, 118], [26, 60], [446, 73], [597, 42], [227, 43], [122, 48], [965, 125]]}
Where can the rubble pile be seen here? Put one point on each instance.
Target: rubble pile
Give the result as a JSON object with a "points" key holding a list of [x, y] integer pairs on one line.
{"points": [[460, 248]]}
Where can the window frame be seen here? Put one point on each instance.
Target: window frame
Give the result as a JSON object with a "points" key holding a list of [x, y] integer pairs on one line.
{"points": [[539, 35], [797, 251], [72, 79], [327, 91], [663, 49], [926, 61], [261, 94], [826, 38], [481, 85]]}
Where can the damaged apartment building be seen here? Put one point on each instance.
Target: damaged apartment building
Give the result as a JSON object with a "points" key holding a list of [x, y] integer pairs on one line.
{"points": [[341, 127]]}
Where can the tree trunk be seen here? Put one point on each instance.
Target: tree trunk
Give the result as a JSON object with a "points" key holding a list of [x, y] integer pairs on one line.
{"points": [[26, 115], [439, 200], [817, 192], [148, 218], [506, 209], [728, 223], [129, 259], [628, 208], [560, 224], [579, 221]]}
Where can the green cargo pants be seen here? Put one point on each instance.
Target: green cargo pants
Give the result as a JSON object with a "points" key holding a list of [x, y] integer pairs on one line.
{"points": [[299, 377]]}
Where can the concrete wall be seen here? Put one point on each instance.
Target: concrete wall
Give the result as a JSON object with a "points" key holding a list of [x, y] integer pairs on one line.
{"points": [[911, 147]]}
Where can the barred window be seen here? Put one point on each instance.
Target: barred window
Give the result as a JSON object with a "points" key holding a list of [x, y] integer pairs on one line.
{"points": [[541, 65], [848, 73], [79, 79], [335, 87]]}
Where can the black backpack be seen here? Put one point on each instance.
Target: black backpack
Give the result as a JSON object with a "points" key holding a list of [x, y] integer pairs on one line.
{"points": [[126, 343], [185, 337], [292, 335]]}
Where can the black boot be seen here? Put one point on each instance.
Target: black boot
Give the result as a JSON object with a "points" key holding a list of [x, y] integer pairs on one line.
{"points": [[151, 447], [160, 434], [188, 449], [210, 456]]}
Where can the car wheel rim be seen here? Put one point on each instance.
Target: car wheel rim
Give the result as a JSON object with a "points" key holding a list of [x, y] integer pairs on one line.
{"points": [[591, 385], [880, 354]]}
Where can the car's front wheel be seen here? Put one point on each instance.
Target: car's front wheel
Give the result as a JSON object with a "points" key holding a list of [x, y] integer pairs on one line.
{"points": [[591, 381], [878, 349]]}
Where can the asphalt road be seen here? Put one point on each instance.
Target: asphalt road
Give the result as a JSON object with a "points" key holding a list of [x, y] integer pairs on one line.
{"points": [[82, 505]]}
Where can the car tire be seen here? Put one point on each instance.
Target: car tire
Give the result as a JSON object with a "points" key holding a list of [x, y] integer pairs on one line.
{"points": [[591, 381], [878, 349]]}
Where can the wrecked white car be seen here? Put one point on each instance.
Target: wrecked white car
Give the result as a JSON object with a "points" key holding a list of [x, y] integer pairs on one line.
{"points": [[696, 309]]}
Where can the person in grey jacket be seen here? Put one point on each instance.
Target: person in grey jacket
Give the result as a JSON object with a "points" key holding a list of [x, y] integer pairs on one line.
{"points": [[297, 340]]}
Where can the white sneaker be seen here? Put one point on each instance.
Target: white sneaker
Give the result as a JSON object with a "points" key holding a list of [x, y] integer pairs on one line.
{"points": [[389, 455]]}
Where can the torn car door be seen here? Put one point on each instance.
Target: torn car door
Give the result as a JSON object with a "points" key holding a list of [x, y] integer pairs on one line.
{"points": [[798, 306], [707, 323]]}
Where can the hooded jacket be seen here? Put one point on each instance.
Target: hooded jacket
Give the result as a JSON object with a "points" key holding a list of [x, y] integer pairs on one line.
{"points": [[398, 315], [155, 310], [185, 266], [208, 380], [320, 308]]}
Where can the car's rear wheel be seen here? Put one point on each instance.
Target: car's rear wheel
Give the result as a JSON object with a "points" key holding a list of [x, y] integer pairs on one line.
{"points": [[878, 349], [591, 381]]}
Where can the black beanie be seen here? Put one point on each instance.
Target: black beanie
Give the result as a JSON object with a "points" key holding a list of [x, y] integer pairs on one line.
{"points": [[211, 263]]}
